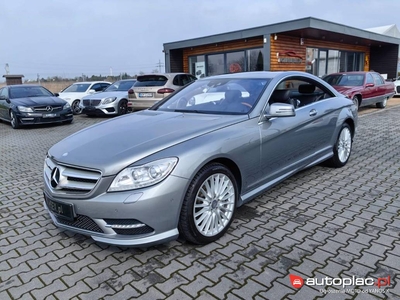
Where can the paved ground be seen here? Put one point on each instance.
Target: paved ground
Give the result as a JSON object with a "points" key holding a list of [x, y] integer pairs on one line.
{"points": [[321, 223]]}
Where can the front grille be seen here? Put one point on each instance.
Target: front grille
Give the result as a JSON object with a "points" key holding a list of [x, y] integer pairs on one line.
{"points": [[81, 222], [91, 102], [46, 108], [68, 179], [398, 89]]}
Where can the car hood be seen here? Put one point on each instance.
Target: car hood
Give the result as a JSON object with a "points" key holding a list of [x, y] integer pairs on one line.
{"points": [[346, 90], [38, 101], [113, 145], [72, 96], [101, 95]]}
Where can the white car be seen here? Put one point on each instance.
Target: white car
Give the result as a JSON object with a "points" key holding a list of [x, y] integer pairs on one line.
{"points": [[397, 86], [76, 91]]}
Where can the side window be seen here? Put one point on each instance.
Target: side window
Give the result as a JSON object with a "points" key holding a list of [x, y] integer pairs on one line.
{"points": [[97, 87], [104, 86], [4, 92], [299, 93], [178, 80], [370, 79], [378, 79]]}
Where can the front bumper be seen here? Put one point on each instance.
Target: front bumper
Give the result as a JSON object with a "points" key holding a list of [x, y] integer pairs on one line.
{"points": [[100, 110], [142, 217], [44, 118]]}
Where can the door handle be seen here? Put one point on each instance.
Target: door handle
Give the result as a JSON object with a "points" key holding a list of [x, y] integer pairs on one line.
{"points": [[313, 113]]}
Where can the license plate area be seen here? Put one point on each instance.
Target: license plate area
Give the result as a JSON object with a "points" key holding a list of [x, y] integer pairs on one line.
{"points": [[145, 95], [49, 115], [62, 210]]}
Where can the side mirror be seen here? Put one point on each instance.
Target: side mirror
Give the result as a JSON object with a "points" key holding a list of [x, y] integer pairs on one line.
{"points": [[277, 110], [92, 91], [56, 94]]}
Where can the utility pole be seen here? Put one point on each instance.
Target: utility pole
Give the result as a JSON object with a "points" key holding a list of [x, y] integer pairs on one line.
{"points": [[159, 65]]}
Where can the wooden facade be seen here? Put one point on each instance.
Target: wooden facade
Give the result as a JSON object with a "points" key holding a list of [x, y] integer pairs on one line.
{"points": [[295, 48], [287, 52]]}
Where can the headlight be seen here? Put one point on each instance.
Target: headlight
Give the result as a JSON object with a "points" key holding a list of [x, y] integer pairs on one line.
{"points": [[66, 106], [25, 109], [108, 100], [141, 176]]}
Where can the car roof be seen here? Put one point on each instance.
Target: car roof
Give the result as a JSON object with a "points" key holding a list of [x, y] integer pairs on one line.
{"points": [[90, 82]]}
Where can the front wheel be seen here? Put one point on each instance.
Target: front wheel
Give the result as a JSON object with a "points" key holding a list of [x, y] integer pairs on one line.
{"points": [[382, 104], [14, 120], [122, 107], [76, 110], [209, 205], [342, 148]]}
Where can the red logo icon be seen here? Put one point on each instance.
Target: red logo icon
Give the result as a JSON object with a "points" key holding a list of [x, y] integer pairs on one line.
{"points": [[296, 281]]}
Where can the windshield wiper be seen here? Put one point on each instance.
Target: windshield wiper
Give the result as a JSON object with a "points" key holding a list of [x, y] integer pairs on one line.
{"points": [[191, 111]]}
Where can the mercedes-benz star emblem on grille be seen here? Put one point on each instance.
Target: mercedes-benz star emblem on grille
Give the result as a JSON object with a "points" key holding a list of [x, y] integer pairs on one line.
{"points": [[49, 108], [55, 177]]}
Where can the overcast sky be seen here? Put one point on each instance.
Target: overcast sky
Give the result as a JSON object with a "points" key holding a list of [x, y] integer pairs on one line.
{"points": [[96, 37]]}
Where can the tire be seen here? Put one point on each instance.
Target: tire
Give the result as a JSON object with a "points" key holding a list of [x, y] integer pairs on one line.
{"points": [[382, 104], [122, 107], [76, 110], [356, 101], [200, 210], [14, 120], [342, 148]]}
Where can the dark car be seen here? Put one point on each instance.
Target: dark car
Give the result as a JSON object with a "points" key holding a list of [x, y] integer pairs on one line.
{"points": [[27, 104], [364, 88]]}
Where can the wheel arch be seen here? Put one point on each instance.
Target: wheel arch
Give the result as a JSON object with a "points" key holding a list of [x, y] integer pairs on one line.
{"points": [[232, 166], [352, 125]]}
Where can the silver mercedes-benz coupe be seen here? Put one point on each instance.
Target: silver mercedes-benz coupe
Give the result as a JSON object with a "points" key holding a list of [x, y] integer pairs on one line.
{"points": [[182, 167]]}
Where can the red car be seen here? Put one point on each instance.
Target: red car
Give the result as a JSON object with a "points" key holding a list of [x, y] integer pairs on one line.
{"points": [[365, 88]]}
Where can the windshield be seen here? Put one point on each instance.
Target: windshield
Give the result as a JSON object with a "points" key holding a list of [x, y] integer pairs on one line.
{"points": [[77, 88], [345, 79], [122, 85], [216, 96], [29, 91]]}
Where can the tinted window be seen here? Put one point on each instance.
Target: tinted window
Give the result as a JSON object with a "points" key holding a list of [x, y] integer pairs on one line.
{"points": [[345, 79], [370, 79], [97, 87], [151, 80], [4, 92]]}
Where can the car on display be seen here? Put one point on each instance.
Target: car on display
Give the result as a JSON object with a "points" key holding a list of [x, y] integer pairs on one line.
{"points": [[28, 104], [396, 83], [180, 168], [113, 101], [364, 88], [151, 88], [76, 91]]}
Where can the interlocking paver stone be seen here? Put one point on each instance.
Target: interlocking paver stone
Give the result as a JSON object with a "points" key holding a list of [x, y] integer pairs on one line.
{"points": [[321, 222]]}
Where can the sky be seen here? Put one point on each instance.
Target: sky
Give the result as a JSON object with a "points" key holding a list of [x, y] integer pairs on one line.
{"points": [[68, 38]]}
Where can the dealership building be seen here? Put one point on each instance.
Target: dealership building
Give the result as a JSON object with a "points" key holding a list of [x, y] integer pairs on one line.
{"points": [[312, 45]]}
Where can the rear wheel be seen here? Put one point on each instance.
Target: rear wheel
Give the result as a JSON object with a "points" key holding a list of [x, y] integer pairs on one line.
{"points": [[382, 104], [342, 148], [122, 107], [209, 205], [76, 110], [14, 120]]}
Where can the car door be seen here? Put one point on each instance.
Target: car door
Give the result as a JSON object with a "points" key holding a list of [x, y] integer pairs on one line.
{"points": [[4, 105], [369, 93], [291, 143]]}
